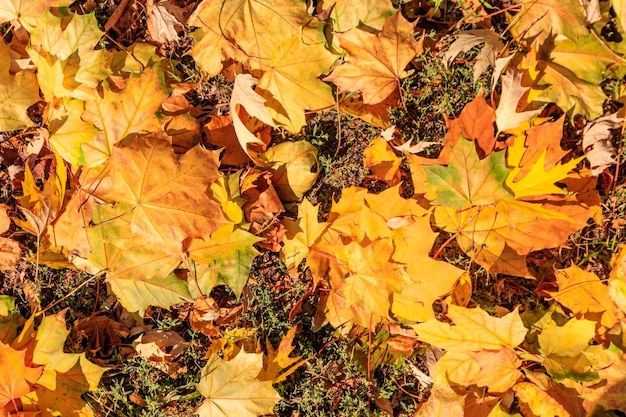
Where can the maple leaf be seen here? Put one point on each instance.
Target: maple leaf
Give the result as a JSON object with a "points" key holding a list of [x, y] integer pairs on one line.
{"points": [[466, 40], [123, 115], [232, 388], [558, 84], [26, 12], [415, 300], [301, 234], [224, 258], [540, 18], [532, 173], [138, 295], [17, 93], [507, 116], [121, 252], [468, 181], [564, 349], [166, 196], [16, 378], [583, 292], [62, 49], [382, 162], [68, 131], [499, 237], [248, 30], [291, 84], [278, 365], [65, 398], [377, 62], [567, 340], [346, 14], [369, 279], [611, 366], [66, 375], [473, 330], [499, 370]]}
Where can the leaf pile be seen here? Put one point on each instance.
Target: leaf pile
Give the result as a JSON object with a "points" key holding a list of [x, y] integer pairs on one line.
{"points": [[123, 177]]}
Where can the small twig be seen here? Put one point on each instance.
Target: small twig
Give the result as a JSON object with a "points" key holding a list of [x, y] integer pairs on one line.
{"points": [[87, 281], [117, 14]]}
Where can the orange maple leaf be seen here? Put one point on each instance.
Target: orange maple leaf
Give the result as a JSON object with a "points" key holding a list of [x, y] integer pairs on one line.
{"points": [[377, 62]]}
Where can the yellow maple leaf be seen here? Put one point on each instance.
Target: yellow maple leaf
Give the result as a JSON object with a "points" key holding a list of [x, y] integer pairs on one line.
{"points": [[26, 12], [583, 292], [290, 82], [473, 330], [231, 388], [17, 93], [541, 403], [123, 115]]}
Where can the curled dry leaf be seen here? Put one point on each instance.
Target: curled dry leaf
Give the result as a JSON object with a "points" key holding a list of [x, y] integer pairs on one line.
{"points": [[597, 142], [165, 20], [10, 251]]}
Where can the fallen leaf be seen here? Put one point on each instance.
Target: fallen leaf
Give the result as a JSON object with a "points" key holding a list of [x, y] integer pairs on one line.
{"points": [[507, 116], [166, 196], [539, 19], [346, 14], [294, 168], [220, 131], [164, 20], [597, 142], [124, 114], [382, 162], [244, 95], [468, 181], [466, 40], [473, 330], [232, 388], [540, 402], [291, 84], [377, 62], [278, 364], [16, 379]]}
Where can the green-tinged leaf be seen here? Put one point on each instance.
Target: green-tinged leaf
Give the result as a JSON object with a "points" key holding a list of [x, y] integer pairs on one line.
{"points": [[121, 252], [568, 340], [468, 181], [138, 295]]}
